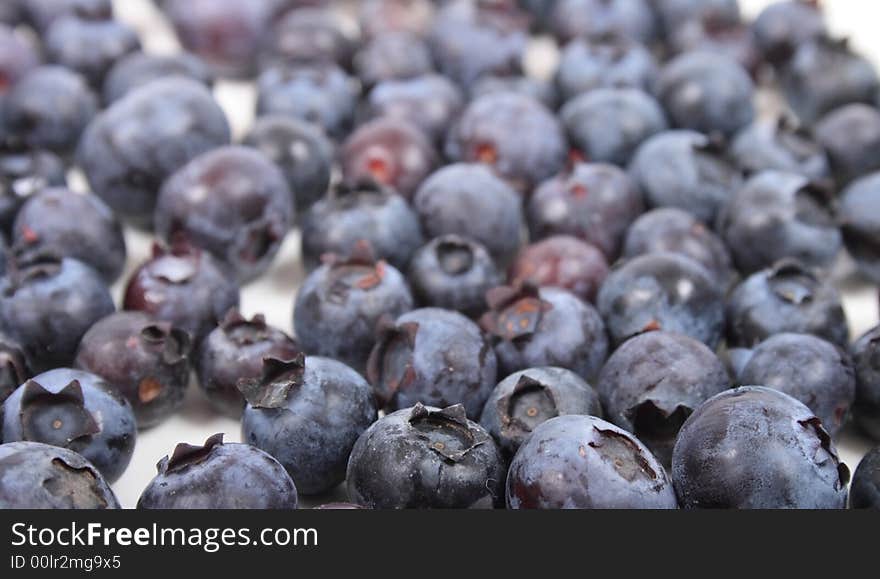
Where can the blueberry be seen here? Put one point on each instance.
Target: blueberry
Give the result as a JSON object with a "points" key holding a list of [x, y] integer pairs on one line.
{"points": [[139, 68], [89, 47], [13, 366], [528, 398], [234, 351], [232, 201], [394, 56], [351, 214], [391, 152], [783, 27], [339, 305], [535, 88], [826, 74], [673, 13], [68, 224], [17, 58], [182, 285], [219, 475], [654, 381], [866, 359], [454, 273], [608, 124], [632, 19], [706, 92], [662, 291], [323, 95], [74, 410], [787, 297], [308, 414], [583, 462], [430, 102], [514, 134], [435, 357], [378, 17], [709, 33], [860, 223], [47, 303], [777, 215], [595, 202], [677, 231], [424, 457], [468, 199], [544, 327], [23, 173], [614, 62], [865, 488], [851, 137], [779, 145], [49, 108], [687, 170], [136, 143], [310, 35], [561, 261], [42, 13], [147, 360], [757, 448], [39, 476]]}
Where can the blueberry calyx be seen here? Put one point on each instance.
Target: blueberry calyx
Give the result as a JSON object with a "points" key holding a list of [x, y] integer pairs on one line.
{"points": [[278, 377], [653, 420], [29, 266], [359, 269], [13, 367], [515, 312], [446, 431], [455, 255], [55, 418], [792, 282], [242, 331], [529, 404], [624, 455], [76, 482], [175, 343], [390, 365], [826, 450], [186, 455], [179, 267]]}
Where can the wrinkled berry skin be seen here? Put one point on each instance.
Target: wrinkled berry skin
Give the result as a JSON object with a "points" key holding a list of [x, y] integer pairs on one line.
{"points": [[13, 366], [339, 305], [323, 95], [145, 359], [787, 297], [135, 144], [491, 130], [47, 304], [583, 462], [633, 19], [426, 458], [453, 273], [561, 261], [312, 431], [528, 398], [302, 152], [432, 356], [232, 201], [864, 493], [866, 360], [860, 223], [809, 369], [607, 125], [783, 27], [184, 286], [779, 145], [595, 202], [469, 200], [778, 215], [39, 476], [662, 291], [234, 351], [391, 152], [687, 170], [604, 63], [851, 137], [654, 381], [392, 57], [535, 88], [22, 174], [139, 68], [89, 47], [706, 92], [212, 477], [757, 448], [545, 327], [92, 418], [309, 35], [68, 224], [676, 231], [338, 222], [49, 108]]}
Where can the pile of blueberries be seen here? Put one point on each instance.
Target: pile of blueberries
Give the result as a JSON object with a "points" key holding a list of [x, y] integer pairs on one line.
{"points": [[609, 289]]}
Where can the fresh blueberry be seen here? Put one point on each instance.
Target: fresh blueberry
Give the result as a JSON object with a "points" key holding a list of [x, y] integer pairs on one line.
{"points": [[604, 63], [673, 13], [13, 366], [395, 56], [712, 34], [89, 47], [851, 137], [23, 173], [74, 410], [583, 462], [426, 458], [864, 492], [633, 19], [39, 476], [311, 35], [42, 13], [866, 359], [561, 261], [17, 58], [860, 223], [378, 17], [139, 68], [432, 356], [779, 145], [757, 448], [308, 414], [783, 27], [538, 89], [219, 475]]}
